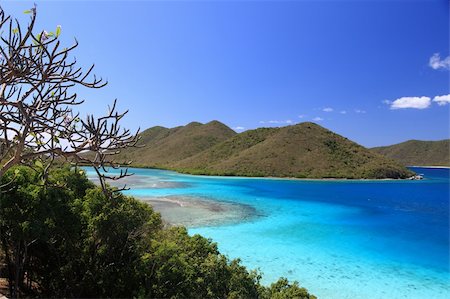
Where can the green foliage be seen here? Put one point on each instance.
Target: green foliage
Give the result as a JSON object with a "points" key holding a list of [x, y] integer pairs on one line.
{"points": [[67, 239], [58, 31], [39, 228], [191, 267], [282, 289], [112, 234]]}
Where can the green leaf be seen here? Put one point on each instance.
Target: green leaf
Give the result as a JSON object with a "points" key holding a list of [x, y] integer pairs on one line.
{"points": [[25, 225], [27, 11], [39, 164], [58, 30], [16, 172], [15, 30]]}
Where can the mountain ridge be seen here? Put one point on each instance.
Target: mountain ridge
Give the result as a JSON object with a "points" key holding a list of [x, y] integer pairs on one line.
{"points": [[304, 150]]}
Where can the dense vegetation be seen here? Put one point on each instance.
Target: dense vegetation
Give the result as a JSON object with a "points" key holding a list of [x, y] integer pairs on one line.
{"points": [[416, 152], [305, 150], [67, 239]]}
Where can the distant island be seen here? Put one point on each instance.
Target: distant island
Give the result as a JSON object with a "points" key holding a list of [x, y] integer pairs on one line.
{"points": [[417, 152], [305, 150]]}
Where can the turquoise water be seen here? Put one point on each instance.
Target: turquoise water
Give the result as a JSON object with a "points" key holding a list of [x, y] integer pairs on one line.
{"points": [[339, 239]]}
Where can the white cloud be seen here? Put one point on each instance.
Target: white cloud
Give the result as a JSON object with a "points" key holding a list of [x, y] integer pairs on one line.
{"points": [[411, 102], [328, 109], [238, 128], [360, 111], [301, 116], [343, 112], [442, 100], [317, 119], [386, 102], [436, 62], [287, 121]]}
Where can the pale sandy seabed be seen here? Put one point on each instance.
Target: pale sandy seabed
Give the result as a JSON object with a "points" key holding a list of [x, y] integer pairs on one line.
{"points": [[196, 211], [185, 210], [141, 182]]}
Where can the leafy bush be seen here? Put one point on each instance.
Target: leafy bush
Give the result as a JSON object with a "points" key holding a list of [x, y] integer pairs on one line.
{"points": [[282, 289], [66, 239]]}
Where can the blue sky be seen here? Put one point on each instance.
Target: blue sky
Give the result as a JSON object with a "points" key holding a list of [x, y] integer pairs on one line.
{"points": [[352, 66]]}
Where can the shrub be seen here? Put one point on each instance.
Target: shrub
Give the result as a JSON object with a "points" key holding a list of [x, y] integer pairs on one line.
{"points": [[67, 239]]}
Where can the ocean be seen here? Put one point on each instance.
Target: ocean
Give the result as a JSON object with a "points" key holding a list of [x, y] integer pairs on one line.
{"points": [[339, 239]]}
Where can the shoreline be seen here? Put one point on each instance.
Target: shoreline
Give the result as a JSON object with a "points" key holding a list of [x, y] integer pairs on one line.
{"points": [[276, 178], [429, 166]]}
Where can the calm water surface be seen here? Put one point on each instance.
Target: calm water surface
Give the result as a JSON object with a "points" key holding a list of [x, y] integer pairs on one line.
{"points": [[339, 239]]}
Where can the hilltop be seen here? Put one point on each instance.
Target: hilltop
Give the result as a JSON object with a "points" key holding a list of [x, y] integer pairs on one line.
{"points": [[417, 152], [160, 146], [305, 150]]}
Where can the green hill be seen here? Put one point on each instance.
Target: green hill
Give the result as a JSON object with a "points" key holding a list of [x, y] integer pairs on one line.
{"points": [[416, 152], [159, 146], [306, 150]]}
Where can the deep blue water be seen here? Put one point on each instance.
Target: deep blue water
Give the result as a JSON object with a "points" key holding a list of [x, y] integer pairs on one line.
{"points": [[340, 239]]}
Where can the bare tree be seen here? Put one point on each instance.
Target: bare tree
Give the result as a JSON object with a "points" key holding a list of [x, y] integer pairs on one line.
{"points": [[37, 120]]}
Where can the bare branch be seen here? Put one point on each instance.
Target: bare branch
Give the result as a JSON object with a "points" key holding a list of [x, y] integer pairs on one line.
{"points": [[36, 105]]}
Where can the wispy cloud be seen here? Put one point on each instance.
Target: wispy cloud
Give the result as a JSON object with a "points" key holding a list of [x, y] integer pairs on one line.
{"points": [[317, 118], [442, 100], [359, 111], [239, 128], [411, 103], [278, 122], [436, 62], [328, 109], [343, 112], [301, 116]]}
